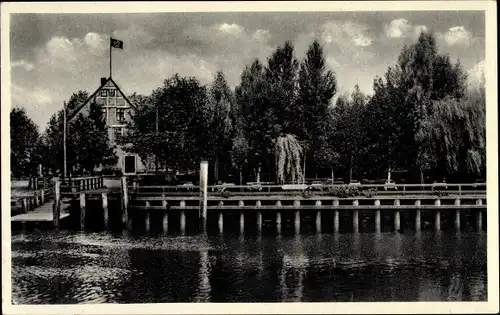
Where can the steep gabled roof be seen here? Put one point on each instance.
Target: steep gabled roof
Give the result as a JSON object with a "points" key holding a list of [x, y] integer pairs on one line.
{"points": [[79, 108]]}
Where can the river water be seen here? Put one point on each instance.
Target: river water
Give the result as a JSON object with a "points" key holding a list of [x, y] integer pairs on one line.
{"points": [[99, 267]]}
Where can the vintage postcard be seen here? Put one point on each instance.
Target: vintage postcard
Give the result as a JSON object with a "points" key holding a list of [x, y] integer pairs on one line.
{"points": [[249, 157]]}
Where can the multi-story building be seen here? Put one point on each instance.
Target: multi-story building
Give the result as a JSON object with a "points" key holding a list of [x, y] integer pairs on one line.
{"points": [[116, 109]]}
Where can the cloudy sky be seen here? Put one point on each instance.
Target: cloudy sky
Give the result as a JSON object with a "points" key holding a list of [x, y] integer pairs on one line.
{"points": [[54, 55]]}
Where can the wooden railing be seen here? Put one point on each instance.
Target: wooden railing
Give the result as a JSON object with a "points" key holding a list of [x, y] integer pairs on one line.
{"points": [[77, 184], [263, 190]]}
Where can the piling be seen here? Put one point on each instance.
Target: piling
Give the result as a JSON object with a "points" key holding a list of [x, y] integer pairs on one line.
{"points": [[336, 221], [437, 214], [147, 221], [24, 205], [318, 221], [335, 202], [479, 220], [183, 222], [259, 220], [457, 215], [83, 211], [203, 193], [397, 221], [297, 221], [105, 209], [417, 220], [56, 209], [278, 221], [220, 222], [377, 221], [125, 214], [42, 192]]}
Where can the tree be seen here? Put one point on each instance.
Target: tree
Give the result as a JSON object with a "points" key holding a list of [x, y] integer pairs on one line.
{"points": [[180, 110], [348, 129], [52, 138], [24, 139], [288, 153], [400, 106], [239, 154], [281, 91], [221, 102], [251, 104], [91, 141], [317, 86]]}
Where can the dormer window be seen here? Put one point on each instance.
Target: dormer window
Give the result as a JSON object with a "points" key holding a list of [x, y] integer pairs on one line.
{"points": [[104, 92]]}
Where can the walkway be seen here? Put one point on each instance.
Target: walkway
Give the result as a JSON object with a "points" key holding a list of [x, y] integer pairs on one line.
{"points": [[42, 213]]}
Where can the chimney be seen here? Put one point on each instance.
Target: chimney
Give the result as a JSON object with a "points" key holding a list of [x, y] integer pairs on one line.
{"points": [[103, 81]]}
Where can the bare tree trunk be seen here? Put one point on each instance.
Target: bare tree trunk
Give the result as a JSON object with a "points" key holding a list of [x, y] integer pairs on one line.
{"points": [[241, 177], [421, 177]]}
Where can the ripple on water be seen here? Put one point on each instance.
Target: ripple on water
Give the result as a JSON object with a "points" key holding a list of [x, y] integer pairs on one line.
{"points": [[70, 268]]}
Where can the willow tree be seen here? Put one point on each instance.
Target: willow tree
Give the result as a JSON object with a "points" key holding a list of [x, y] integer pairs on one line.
{"points": [[288, 153]]}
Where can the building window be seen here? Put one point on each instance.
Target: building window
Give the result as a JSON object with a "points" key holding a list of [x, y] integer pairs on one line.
{"points": [[117, 133], [104, 92], [120, 115], [111, 92]]}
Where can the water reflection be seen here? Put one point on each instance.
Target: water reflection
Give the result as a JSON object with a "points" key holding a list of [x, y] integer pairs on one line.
{"points": [[102, 267]]}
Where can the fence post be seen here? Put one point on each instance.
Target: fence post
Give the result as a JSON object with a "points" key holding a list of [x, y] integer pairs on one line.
{"points": [[56, 209], [42, 192], [203, 193]]}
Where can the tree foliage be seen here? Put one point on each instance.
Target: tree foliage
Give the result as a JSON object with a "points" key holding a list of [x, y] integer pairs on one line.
{"points": [[87, 141], [24, 142], [280, 119]]}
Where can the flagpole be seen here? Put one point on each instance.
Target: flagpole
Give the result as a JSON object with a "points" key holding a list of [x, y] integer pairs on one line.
{"points": [[110, 58], [64, 142]]}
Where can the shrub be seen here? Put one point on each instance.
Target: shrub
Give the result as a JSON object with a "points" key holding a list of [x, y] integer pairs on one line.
{"points": [[307, 194], [441, 193], [369, 193], [226, 194]]}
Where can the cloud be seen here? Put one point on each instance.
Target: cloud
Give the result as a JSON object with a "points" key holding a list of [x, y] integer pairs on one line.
{"points": [[457, 35], [342, 32], [34, 100], [401, 28], [22, 64], [233, 29], [64, 65]]}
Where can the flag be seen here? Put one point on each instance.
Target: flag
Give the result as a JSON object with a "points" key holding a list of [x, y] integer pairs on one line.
{"points": [[116, 43]]}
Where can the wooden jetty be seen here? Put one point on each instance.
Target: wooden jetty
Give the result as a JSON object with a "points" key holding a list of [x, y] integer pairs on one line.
{"points": [[163, 205], [188, 202], [43, 213], [43, 205]]}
